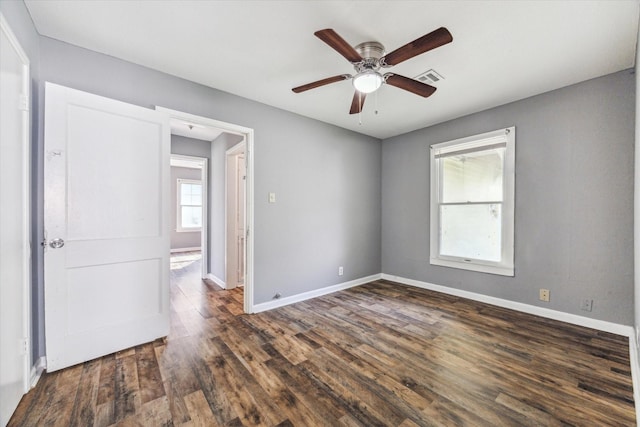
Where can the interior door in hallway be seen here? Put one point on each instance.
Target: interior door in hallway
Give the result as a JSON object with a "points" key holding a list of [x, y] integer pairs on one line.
{"points": [[106, 224], [240, 214], [235, 211]]}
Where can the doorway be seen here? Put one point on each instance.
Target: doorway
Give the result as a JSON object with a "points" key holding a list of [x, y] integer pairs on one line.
{"points": [[217, 257], [189, 207]]}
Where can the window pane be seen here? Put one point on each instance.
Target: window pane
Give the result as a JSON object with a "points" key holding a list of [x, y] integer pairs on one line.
{"points": [[471, 231], [191, 217], [190, 194], [472, 177]]}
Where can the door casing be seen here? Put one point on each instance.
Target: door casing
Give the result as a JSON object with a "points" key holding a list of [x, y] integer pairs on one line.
{"points": [[248, 135], [16, 310]]}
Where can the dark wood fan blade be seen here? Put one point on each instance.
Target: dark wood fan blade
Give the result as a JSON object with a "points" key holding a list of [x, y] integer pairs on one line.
{"points": [[357, 102], [332, 38], [410, 85], [322, 82], [423, 44]]}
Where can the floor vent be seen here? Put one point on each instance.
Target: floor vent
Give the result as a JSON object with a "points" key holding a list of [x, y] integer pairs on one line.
{"points": [[429, 77]]}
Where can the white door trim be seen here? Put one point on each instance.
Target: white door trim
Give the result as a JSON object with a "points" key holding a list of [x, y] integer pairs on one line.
{"points": [[204, 234], [26, 196], [248, 135]]}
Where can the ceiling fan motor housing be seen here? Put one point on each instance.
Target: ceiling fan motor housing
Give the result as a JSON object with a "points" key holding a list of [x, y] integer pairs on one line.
{"points": [[371, 53]]}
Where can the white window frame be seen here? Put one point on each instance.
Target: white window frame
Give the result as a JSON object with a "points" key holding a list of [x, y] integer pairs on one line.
{"points": [[179, 182], [507, 138]]}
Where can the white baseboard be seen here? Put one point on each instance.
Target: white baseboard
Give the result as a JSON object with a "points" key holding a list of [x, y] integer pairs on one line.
{"points": [[635, 373], [601, 325], [218, 281], [192, 249], [312, 294], [37, 370]]}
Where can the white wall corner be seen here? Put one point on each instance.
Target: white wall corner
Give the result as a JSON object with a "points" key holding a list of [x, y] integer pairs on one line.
{"points": [[36, 371], [218, 281], [270, 305]]}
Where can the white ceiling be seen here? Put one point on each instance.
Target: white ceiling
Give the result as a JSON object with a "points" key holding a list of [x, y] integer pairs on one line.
{"points": [[193, 130], [502, 51]]}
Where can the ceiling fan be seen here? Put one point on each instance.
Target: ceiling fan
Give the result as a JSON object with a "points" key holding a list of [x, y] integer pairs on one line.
{"points": [[369, 57]]}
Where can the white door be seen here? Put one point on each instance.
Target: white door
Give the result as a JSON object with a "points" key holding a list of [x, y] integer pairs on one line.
{"points": [[106, 224], [235, 214], [240, 232], [14, 222]]}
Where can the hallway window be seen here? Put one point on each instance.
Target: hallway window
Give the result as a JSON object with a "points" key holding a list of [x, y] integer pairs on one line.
{"points": [[189, 205]]}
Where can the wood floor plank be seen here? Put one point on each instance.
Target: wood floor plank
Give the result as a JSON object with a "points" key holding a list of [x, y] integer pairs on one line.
{"points": [[176, 403], [127, 392], [252, 404], [58, 408], [105, 414], [84, 406], [199, 410], [380, 354], [149, 377], [213, 389], [305, 390]]}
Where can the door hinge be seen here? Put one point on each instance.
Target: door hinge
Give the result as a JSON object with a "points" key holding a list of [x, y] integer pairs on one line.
{"points": [[24, 346], [23, 103]]}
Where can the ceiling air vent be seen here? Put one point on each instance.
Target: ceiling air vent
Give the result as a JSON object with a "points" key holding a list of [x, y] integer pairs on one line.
{"points": [[429, 77]]}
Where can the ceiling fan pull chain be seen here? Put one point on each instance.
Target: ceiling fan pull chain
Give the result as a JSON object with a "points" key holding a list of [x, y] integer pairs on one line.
{"points": [[376, 102], [360, 110]]}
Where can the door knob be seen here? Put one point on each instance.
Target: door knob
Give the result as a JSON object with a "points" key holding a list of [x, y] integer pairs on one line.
{"points": [[56, 243]]}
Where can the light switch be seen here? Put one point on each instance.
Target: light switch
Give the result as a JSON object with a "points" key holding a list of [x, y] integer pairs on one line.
{"points": [[272, 197]]}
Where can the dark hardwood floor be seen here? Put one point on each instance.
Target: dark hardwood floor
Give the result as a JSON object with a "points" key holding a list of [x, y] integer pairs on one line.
{"points": [[382, 354]]}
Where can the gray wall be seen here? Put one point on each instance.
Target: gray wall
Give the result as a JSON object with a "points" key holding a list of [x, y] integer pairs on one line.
{"points": [[20, 22], [183, 239], [327, 178], [574, 199]]}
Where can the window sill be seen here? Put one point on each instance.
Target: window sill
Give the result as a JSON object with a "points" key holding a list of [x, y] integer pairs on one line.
{"points": [[481, 268], [188, 230]]}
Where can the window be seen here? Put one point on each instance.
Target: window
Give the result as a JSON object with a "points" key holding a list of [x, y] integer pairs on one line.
{"points": [[189, 209], [472, 202]]}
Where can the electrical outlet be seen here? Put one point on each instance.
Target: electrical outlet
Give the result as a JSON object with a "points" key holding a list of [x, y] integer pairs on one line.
{"points": [[340, 271], [586, 304], [544, 295]]}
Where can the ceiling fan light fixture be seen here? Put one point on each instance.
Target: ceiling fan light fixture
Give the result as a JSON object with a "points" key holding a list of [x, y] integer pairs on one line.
{"points": [[368, 81]]}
